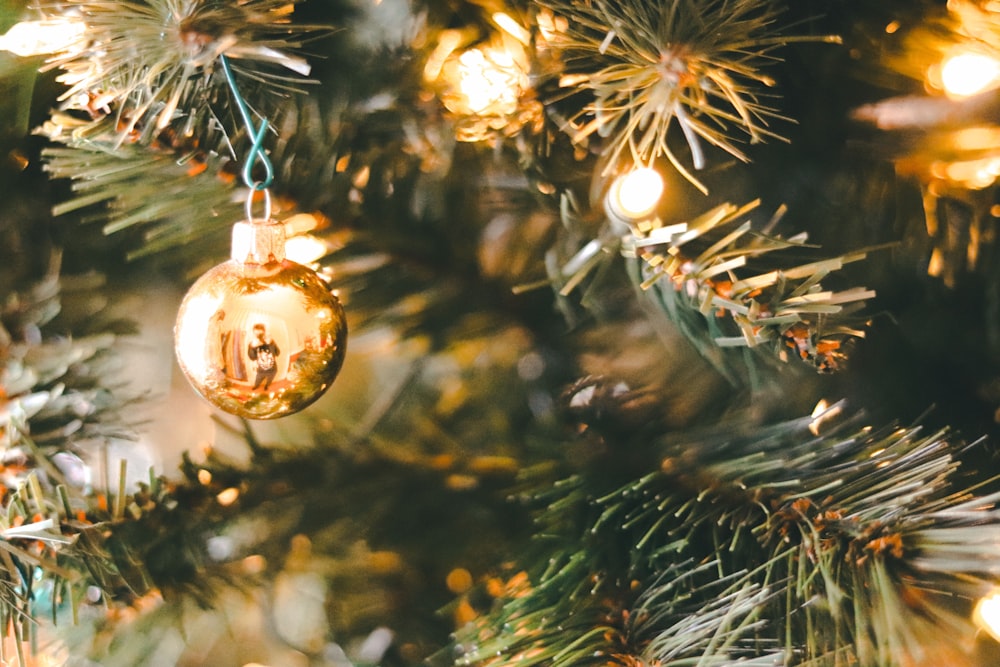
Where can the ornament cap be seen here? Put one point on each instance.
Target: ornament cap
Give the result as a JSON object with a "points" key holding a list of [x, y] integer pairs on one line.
{"points": [[258, 242]]}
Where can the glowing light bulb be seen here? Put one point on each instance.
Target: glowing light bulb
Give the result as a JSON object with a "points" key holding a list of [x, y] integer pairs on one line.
{"points": [[305, 249], [491, 81], [33, 38], [635, 195], [968, 73], [512, 27], [227, 497], [484, 88], [821, 414], [987, 613]]}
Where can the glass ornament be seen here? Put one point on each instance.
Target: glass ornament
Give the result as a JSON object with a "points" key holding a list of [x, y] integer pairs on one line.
{"points": [[260, 336]]}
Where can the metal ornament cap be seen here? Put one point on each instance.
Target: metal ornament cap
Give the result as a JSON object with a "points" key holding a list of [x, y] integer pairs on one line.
{"points": [[258, 242]]}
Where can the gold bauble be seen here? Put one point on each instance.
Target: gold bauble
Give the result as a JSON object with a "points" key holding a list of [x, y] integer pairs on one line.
{"points": [[260, 336]]}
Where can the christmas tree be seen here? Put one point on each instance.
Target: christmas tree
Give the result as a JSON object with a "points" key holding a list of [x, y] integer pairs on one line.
{"points": [[664, 333]]}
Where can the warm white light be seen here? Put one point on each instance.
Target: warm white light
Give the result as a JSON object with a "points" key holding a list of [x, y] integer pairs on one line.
{"points": [[302, 223], [447, 42], [227, 497], [490, 81], [512, 27], [821, 414], [33, 38], [987, 614], [305, 249], [967, 73], [635, 195], [972, 174]]}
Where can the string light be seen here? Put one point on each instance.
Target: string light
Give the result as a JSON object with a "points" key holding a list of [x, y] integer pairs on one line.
{"points": [[486, 88], [227, 497], [987, 613], [968, 73], [821, 414], [512, 27], [490, 81], [34, 38], [305, 249], [971, 174], [634, 196]]}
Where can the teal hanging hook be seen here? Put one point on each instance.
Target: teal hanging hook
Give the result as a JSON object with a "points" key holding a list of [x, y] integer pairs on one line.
{"points": [[257, 153]]}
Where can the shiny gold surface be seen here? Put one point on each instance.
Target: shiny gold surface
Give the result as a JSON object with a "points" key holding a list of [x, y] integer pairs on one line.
{"points": [[260, 341]]}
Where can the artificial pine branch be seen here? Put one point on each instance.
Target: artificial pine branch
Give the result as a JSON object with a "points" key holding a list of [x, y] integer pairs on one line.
{"points": [[824, 526], [790, 520], [170, 199], [785, 307], [693, 64], [725, 285], [149, 64], [146, 106], [53, 409]]}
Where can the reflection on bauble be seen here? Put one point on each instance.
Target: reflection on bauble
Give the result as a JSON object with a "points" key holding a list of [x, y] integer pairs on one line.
{"points": [[260, 341]]}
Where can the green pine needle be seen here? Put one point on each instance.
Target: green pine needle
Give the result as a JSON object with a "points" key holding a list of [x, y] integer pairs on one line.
{"points": [[647, 67], [821, 525], [169, 199], [50, 407], [703, 275], [149, 63]]}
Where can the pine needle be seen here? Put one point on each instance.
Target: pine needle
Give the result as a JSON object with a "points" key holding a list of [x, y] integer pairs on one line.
{"points": [[649, 67], [835, 529]]}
